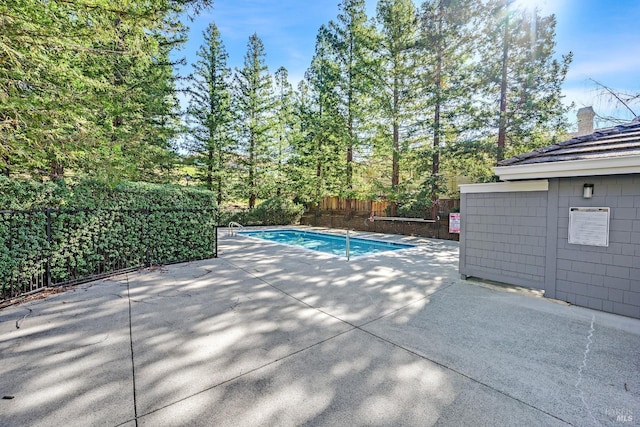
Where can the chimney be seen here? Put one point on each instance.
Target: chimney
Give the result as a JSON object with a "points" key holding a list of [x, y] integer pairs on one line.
{"points": [[585, 121]]}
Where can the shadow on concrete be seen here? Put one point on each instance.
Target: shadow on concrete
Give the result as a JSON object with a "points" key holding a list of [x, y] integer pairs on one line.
{"points": [[69, 362], [270, 335]]}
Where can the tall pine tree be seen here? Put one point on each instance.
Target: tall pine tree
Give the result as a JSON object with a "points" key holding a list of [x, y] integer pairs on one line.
{"points": [[210, 113], [448, 45], [254, 111], [351, 36], [87, 85], [394, 81], [320, 149], [284, 128], [522, 79]]}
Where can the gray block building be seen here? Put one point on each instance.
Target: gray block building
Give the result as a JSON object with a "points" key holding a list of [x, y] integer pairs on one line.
{"points": [[565, 219]]}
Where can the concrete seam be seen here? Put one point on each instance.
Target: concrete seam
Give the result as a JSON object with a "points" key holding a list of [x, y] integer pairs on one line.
{"points": [[258, 368], [133, 366], [360, 328], [392, 312], [353, 327], [289, 295], [414, 353], [25, 316]]}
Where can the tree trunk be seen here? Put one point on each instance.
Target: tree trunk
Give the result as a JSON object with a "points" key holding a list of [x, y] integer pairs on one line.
{"points": [[502, 129], [318, 180], [56, 171], [350, 120], [209, 178], [319, 158], [435, 160], [349, 178], [252, 172], [219, 179], [280, 167], [395, 167]]}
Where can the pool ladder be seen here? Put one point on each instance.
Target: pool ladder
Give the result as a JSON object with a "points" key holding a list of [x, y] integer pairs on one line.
{"points": [[232, 227], [348, 246]]}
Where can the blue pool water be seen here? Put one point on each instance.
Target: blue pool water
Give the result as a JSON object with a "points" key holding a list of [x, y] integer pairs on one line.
{"points": [[326, 243]]}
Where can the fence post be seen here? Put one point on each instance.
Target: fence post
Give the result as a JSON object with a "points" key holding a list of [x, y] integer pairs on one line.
{"points": [[10, 246], [50, 250], [215, 247], [11, 214], [215, 227], [146, 238]]}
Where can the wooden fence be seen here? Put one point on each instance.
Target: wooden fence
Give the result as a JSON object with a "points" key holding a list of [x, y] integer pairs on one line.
{"points": [[335, 204]]}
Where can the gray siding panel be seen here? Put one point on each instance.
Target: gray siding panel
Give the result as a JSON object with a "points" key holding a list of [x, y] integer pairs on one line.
{"points": [[521, 238], [505, 237], [464, 255], [608, 271]]}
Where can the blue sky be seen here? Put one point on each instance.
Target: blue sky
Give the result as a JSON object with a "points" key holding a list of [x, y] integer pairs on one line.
{"points": [[604, 36]]}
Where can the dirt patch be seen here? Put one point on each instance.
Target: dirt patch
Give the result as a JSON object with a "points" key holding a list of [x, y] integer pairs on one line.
{"points": [[41, 294], [47, 292]]}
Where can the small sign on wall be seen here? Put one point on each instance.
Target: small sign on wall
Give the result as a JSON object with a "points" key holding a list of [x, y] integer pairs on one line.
{"points": [[454, 222], [589, 226]]}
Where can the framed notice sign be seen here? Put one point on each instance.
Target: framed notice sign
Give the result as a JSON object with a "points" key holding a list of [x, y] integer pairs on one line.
{"points": [[454, 223], [589, 226]]}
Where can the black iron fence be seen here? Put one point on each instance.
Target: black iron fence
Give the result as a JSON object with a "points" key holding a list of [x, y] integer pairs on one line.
{"points": [[52, 247]]}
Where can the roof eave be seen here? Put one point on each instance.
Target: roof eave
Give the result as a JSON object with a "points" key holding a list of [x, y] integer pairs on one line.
{"points": [[590, 167]]}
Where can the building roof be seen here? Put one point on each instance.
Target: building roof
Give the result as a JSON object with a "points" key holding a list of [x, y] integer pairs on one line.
{"points": [[616, 141], [608, 151]]}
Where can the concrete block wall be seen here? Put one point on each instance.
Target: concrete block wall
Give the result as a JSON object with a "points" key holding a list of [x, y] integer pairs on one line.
{"points": [[438, 230], [505, 237], [603, 278]]}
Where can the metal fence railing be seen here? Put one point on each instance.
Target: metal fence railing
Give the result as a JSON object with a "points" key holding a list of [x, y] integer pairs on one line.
{"points": [[52, 247]]}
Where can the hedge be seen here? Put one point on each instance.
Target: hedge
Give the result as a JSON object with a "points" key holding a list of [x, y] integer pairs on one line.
{"points": [[16, 194], [55, 233]]}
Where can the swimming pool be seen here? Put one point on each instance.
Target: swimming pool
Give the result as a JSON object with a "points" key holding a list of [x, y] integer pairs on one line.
{"points": [[327, 243]]}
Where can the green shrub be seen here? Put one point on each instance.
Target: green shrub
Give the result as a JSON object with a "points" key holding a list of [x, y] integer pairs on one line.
{"points": [[23, 245], [277, 211], [274, 211], [414, 208], [96, 228], [138, 195], [19, 194]]}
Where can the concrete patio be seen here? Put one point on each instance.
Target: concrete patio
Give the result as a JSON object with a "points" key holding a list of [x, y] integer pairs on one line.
{"points": [[272, 335]]}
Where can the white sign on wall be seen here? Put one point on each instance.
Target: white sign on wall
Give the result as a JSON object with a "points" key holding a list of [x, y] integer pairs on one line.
{"points": [[589, 226], [454, 222]]}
